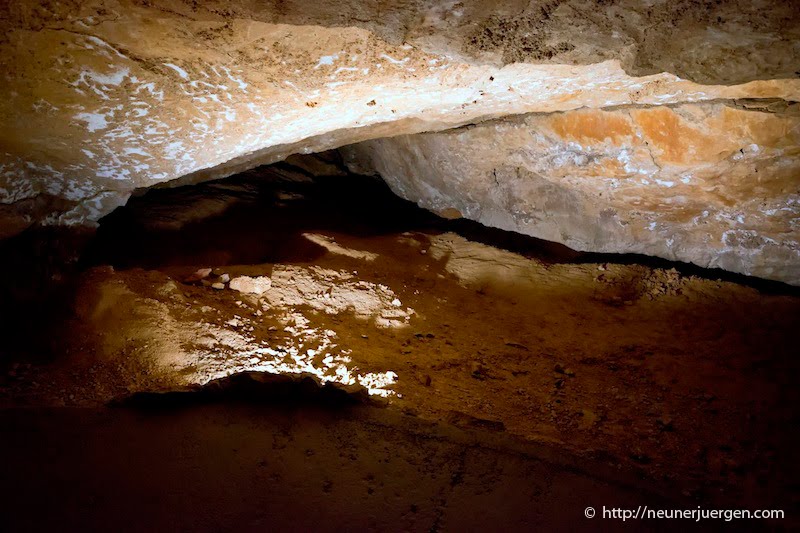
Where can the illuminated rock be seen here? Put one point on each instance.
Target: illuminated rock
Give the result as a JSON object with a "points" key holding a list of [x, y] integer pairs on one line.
{"points": [[102, 98], [714, 184], [248, 285]]}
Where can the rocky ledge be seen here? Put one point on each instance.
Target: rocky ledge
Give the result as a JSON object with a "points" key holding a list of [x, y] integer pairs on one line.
{"points": [[666, 127]]}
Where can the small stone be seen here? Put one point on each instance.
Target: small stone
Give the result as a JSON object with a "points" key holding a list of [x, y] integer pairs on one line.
{"points": [[516, 345], [249, 285], [396, 302], [198, 275], [218, 286], [225, 278]]}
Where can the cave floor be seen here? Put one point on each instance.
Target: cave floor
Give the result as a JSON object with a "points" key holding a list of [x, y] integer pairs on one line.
{"points": [[277, 467], [508, 377]]}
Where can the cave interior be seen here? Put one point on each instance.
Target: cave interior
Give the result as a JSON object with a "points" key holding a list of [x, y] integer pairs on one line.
{"points": [[418, 266]]}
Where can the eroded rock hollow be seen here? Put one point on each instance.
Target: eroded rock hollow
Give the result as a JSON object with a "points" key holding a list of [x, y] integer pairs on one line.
{"points": [[426, 265], [667, 128]]}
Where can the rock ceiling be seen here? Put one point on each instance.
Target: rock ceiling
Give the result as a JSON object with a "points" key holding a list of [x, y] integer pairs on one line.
{"points": [[661, 127]]}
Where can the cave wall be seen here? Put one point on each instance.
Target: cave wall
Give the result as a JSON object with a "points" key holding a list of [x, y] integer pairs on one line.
{"points": [[100, 98], [714, 184]]}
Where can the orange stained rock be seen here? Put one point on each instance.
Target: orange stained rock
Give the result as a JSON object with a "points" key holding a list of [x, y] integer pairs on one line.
{"points": [[592, 126], [675, 141], [765, 129]]}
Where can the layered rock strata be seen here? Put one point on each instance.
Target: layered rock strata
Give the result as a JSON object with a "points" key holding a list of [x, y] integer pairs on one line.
{"points": [[101, 98]]}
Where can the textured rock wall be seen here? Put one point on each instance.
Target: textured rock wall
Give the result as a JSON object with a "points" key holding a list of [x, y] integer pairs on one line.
{"points": [[714, 184], [101, 97]]}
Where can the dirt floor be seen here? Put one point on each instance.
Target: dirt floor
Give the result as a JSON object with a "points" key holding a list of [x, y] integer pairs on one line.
{"points": [[497, 377], [240, 467]]}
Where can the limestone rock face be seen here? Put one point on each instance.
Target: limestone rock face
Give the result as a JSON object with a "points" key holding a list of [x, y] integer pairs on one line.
{"points": [[714, 184], [102, 97]]}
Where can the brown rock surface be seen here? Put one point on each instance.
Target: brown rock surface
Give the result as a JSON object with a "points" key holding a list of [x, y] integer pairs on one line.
{"points": [[100, 98], [714, 184]]}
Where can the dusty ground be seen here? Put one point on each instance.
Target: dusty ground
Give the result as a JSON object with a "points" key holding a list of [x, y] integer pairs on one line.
{"points": [[245, 467], [667, 375]]}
